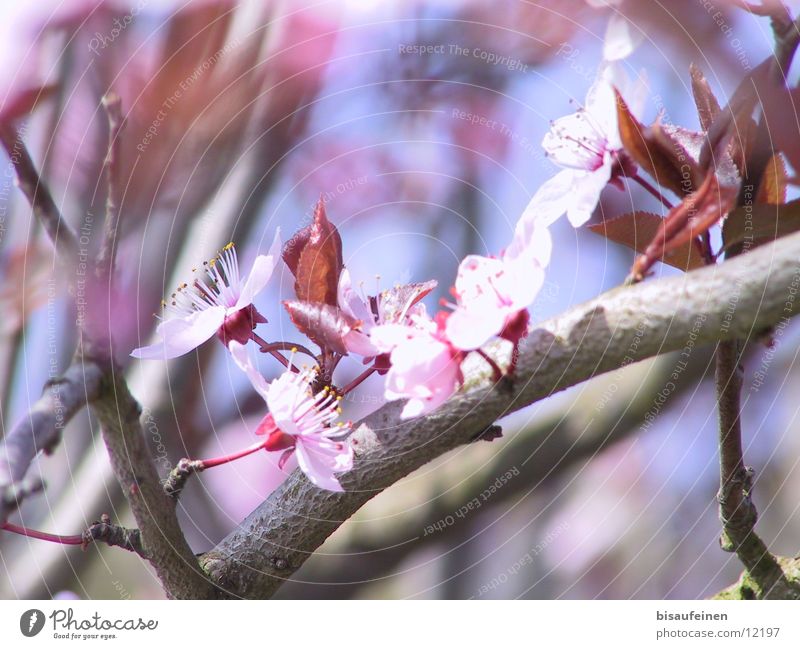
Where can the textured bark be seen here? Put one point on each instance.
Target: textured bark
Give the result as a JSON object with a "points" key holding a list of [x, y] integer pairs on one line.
{"points": [[162, 540], [622, 326], [40, 429]]}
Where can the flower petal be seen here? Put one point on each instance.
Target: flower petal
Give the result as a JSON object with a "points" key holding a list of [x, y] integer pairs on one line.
{"points": [[586, 194], [262, 269], [551, 200], [179, 336], [351, 303], [472, 327], [284, 395], [242, 359], [621, 38], [320, 458]]}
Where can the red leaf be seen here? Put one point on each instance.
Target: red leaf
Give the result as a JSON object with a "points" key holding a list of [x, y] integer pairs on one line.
{"points": [[773, 183], [656, 151], [693, 216], [314, 255], [638, 229], [707, 105], [752, 226], [326, 325], [396, 301], [23, 102]]}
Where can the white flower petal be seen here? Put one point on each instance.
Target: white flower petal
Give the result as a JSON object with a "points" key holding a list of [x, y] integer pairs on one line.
{"points": [[179, 336], [550, 200], [320, 458], [263, 266], [242, 359], [351, 303], [586, 194], [621, 38], [473, 326]]}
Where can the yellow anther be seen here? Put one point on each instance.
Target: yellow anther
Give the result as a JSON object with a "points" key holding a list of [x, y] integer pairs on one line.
{"points": [[228, 245], [294, 350]]}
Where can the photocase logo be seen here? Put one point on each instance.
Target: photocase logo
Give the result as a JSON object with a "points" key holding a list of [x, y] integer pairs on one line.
{"points": [[31, 622]]}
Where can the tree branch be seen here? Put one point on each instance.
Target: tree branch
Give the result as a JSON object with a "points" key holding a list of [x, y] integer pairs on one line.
{"points": [[162, 539], [105, 259], [736, 509], [625, 325], [41, 428], [540, 454], [44, 207]]}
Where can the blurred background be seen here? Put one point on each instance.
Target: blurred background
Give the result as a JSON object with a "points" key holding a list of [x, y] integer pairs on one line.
{"points": [[419, 122]]}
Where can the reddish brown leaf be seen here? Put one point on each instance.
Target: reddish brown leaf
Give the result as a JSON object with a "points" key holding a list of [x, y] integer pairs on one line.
{"points": [[707, 105], [314, 255], [748, 227], [773, 182], [692, 217], [20, 104], [326, 325], [656, 151], [396, 301], [638, 229]]}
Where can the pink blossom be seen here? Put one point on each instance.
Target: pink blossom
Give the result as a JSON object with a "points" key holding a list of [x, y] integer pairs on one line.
{"points": [[222, 304], [425, 365], [587, 144], [301, 423], [22, 27], [391, 306], [493, 294], [621, 37]]}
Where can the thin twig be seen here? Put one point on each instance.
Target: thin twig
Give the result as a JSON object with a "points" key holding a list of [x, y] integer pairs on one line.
{"points": [[105, 259], [40, 430], [38, 194], [736, 509]]}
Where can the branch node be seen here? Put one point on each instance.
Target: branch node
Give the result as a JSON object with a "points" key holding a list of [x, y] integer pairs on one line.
{"points": [[114, 535], [177, 478]]}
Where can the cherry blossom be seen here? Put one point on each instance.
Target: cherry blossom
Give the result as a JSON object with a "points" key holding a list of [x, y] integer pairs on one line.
{"points": [[587, 144], [390, 306], [493, 293], [425, 365], [300, 422], [221, 304], [621, 37]]}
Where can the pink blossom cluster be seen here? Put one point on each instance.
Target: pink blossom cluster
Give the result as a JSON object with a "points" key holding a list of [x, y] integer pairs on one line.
{"points": [[421, 356]]}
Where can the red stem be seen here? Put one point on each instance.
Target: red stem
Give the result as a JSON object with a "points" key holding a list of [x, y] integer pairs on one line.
{"points": [[358, 380], [274, 350], [652, 190], [202, 465], [43, 536], [498, 373]]}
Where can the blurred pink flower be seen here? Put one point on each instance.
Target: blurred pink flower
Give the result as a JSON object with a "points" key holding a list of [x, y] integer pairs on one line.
{"points": [[425, 366], [587, 144], [494, 294], [22, 24], [300, 423], [222, 305], [621, 37]]}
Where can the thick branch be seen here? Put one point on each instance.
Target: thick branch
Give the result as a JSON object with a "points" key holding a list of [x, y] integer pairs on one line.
{"points": [[540, 454], [41, 428], [162, 540], [622, 326]]}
